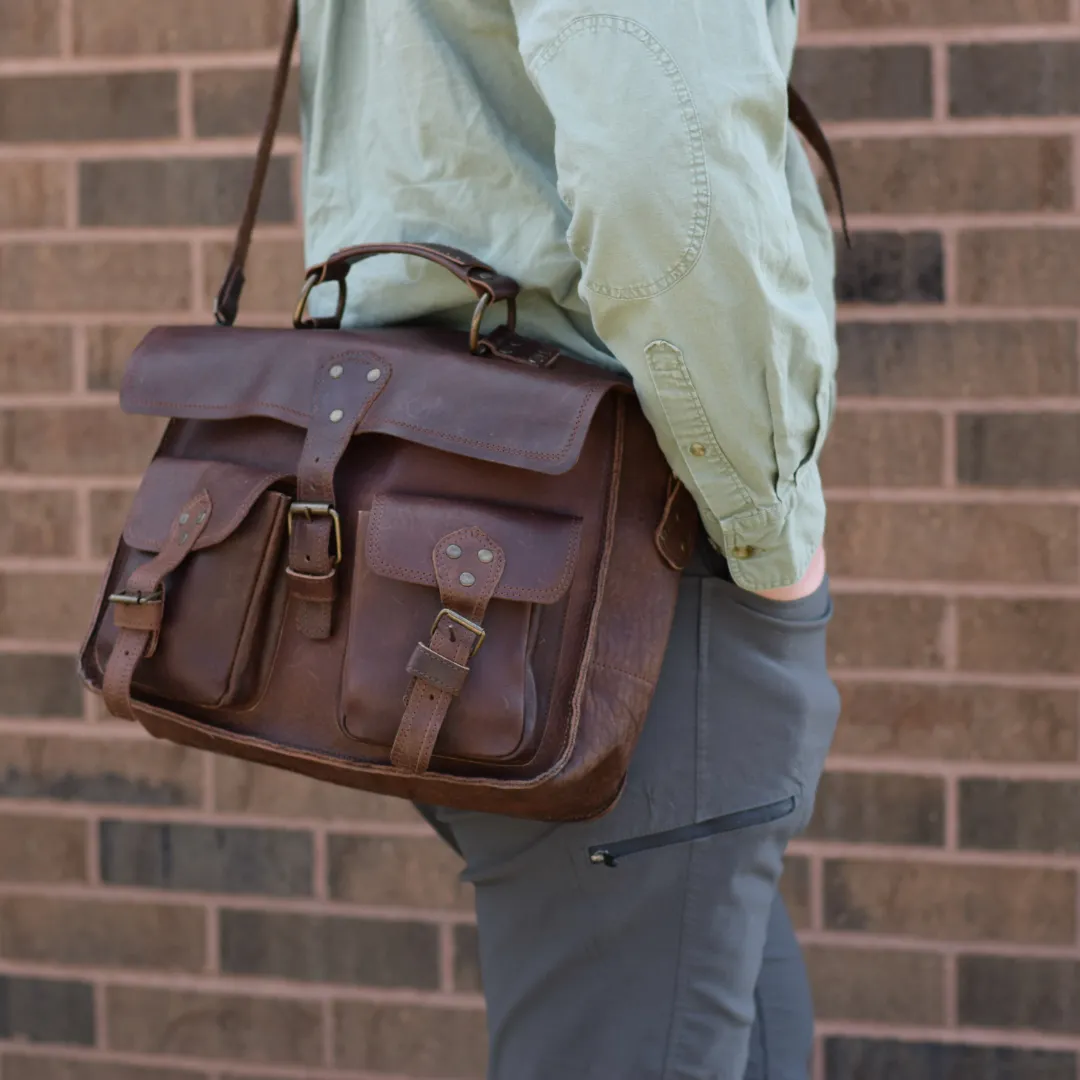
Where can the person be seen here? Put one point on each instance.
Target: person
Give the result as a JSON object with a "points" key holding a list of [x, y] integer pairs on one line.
{"points": [[632, 165]]}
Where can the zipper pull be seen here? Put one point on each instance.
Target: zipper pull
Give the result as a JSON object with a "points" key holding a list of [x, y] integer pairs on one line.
{"points": [[601, 857]]}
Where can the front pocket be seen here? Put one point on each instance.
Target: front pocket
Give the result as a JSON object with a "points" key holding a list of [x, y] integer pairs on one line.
{"points": [[494, 714], [609, 854], [219, 607]]}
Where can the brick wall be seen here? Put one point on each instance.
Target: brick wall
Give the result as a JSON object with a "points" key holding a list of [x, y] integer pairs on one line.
{"points": [[166, 916]]}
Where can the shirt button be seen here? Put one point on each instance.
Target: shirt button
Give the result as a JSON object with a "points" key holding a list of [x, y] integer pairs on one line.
{"points": [[743, 551], [697, 449]]}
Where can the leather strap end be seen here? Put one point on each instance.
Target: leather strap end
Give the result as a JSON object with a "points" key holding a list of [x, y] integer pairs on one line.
{"points": [[227, 302], [438, 671]]}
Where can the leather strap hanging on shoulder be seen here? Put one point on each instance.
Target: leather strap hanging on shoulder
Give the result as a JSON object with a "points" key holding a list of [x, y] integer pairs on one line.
{"points": [[227, 303]]}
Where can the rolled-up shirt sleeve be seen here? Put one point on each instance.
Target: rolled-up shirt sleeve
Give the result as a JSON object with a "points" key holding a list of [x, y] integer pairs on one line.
{"points": [[695, 218]]}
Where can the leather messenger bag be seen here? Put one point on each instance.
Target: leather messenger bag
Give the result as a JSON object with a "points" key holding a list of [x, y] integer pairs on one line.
{"points": [[433, 564]]}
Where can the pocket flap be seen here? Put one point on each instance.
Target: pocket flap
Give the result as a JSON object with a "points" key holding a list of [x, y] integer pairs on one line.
{"points": [[171, 482], [541, 548]]}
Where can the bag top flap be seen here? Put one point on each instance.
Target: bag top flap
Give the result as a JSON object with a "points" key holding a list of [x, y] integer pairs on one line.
{"points": [[437, 393], [541, 548], [169, 483]]}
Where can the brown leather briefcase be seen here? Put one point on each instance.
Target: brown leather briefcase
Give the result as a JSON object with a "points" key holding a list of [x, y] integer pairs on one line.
{"points": [[432, 564]]}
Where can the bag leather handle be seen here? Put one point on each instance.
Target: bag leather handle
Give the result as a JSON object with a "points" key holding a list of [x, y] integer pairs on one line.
{"points": [[489, 286]]}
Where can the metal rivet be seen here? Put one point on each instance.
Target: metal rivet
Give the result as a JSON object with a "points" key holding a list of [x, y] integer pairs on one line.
{"points": [[454, 551], [374, 375], [467, 579], [697, 449], [336, 371], [184, 519], [201, 518], [335, 416], [184, 538], [484, 555], [745, 551]]}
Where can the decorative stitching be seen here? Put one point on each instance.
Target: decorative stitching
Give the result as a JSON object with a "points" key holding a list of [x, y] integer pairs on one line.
{"points": [[702, 195]]}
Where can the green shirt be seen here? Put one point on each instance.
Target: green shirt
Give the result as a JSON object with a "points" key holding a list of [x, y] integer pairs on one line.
{"points": [[632, 166]]}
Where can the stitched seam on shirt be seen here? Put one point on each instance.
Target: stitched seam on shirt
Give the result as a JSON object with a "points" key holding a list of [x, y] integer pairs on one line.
{"points": [[699, 223], [684, 383]]}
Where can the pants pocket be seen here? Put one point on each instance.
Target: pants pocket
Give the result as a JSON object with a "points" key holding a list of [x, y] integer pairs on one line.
{"points": [[767, 708]]}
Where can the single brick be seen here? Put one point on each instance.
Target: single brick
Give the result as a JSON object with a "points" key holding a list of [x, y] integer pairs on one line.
{"points": [[39, 685], [54, 606], [233, 102], [40, 849], [108, 512], [1008, 992], [888, 14], [973, 174], [1018, 450], [35, 359], [467, 960], [879, 985], [37, 523], [270, 862], [92, 933], [958, 359], [330, 949], [102, 275], [20, 1067], [795, 889], [127, 771], [179, 191], [46, 1010], [1028, 78], [953, 903], [274, 276], [881, 449], [142, 1020], [108, 350], [885, 1059], [148, 26], [78, 108], [958, 542], [893, 82], [880, 808], [79, 440], [397, 870], [886, 631], [33, 194], [410, 1040], [1019, 635], [1020, 815], [957, 723], [1020, 267], [892, 268], [245, 787], [30, 28]]}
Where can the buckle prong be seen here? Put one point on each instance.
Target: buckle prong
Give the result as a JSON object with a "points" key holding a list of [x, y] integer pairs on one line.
{"points": [[466, 624], [314, 510], [155, 597]]}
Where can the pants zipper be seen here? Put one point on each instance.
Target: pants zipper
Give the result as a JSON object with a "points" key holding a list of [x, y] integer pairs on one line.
{"points": [[609, 854]]}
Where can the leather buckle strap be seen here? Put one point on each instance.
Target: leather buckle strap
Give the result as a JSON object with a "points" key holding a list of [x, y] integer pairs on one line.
{"points": [[139, 607], [468, 568]]}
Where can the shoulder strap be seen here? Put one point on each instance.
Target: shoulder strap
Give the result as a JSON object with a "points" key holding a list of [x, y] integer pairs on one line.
{"points": [[228, 298], [227, 302]]}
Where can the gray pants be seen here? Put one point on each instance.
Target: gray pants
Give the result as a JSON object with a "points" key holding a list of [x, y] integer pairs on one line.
{"points": [[650, 944]]}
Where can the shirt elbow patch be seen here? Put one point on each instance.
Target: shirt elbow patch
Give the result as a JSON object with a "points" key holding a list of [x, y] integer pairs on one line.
{"points": [[657, 179]]}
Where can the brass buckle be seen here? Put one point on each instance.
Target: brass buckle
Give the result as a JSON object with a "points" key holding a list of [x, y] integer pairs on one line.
{"points": [[316, 277], [478, 317], [467, 624], [156, 597], [314, 510]]}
